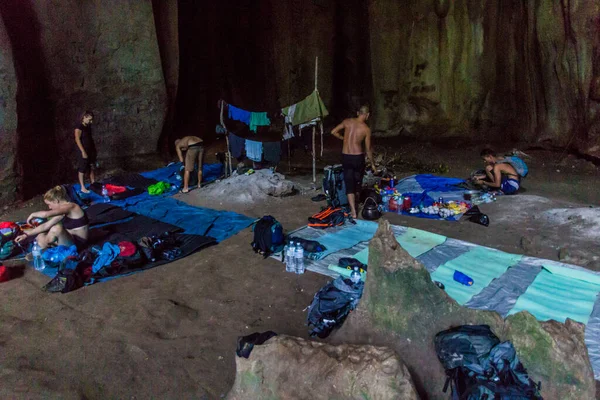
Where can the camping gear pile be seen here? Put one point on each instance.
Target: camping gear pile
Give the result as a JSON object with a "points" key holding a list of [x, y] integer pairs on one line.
{"points": [[75, 269], [479, 366]]}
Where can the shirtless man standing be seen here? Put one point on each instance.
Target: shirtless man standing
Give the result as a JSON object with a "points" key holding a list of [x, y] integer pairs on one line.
{"points": [[353, 157], [194, 151], [500, 175]]}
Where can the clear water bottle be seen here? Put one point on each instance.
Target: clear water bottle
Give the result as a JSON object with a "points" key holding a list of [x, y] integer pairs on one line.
{"points": [[38, 261], [299, 256], [105, 194], [290, 264]]}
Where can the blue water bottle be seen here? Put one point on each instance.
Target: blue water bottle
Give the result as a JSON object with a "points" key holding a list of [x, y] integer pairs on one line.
{"points": [[462, 278]]}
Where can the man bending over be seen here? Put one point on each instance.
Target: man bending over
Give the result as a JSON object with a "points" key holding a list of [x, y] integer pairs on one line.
{"points": [[194, 151], [356, 132], [498, 174]]}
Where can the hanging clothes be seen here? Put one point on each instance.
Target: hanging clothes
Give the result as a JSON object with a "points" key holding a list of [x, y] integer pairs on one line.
{"points": [[306, 110], [254, 150], [272, 152], [238, 114], [258, 119], [236, 145]]}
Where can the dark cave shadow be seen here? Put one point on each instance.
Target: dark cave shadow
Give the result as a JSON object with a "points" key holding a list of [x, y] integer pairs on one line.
{"points": [[37, 150]]}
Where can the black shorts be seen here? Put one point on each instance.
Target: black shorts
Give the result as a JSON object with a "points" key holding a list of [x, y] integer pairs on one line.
{"points": [[85, 164], [354, 170]]}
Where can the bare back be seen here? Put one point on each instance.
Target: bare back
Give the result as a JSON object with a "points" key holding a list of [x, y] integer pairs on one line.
{"points": [[188, 141], [355, 133]]}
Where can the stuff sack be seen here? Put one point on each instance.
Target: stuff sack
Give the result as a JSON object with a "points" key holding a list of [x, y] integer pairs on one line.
{"points": [[332, 304], [479, 367], [327, 218], [518, 164], [268, 236], [334, 186]]}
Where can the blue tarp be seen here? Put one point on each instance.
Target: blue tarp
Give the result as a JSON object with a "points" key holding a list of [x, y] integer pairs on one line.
{"points": [[195, 220], [210, 172], [425, 189]]}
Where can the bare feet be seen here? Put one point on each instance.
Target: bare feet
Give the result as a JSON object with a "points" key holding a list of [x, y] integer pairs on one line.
{"points": [[199, 186], [185, 190], [84, 190]]}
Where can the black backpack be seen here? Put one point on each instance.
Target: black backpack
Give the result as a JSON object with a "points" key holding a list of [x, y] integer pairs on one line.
{"points": [[479, 367], [268, 236], [332, 304], [334, 186]]}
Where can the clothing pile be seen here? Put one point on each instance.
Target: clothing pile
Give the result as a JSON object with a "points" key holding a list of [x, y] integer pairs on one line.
{"points": [[74, 270]]}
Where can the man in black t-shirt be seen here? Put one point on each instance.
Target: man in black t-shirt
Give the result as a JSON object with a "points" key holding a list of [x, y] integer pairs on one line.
{"points": [[86, 159]]}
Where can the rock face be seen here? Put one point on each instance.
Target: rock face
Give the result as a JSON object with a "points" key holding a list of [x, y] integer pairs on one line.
{"points": [[401, 307], [529, 67], [8, 119], [73, 56], [287, 367]]}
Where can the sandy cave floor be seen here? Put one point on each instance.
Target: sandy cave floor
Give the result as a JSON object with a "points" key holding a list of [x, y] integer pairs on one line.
{"points": [[170, 332]]}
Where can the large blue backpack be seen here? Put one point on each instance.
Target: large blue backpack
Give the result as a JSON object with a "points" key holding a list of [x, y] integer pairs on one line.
{"points": [[518, 164], [478, 366], [334, 186], [268, 236]]}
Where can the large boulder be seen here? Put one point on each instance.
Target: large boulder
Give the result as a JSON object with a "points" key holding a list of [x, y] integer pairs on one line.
{"points": [[288, 367], [403, 309], [8, 119]]}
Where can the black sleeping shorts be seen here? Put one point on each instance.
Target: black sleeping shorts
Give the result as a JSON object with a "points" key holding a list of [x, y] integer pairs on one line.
{"points": [[354, 170], [85, 164]]}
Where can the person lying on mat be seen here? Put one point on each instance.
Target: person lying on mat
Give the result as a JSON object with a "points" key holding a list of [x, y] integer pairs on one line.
{"points": [[194, 151], [67, 223], [498, 174], [356, 132]]}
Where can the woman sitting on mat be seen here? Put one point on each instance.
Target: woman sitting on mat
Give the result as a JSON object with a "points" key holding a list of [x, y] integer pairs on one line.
{"points": [[66, 222]]}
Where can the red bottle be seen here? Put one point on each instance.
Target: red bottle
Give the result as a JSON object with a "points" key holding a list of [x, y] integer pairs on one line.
{"points": [[393, 205], [406, 203]]}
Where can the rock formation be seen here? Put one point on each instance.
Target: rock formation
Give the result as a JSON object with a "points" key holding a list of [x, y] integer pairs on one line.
{"points": [[8, 119], [403, 309], [69, 56], [287, 367]]}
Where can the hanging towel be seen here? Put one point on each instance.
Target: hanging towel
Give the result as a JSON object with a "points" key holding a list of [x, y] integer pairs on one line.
{"points": [[254, 150], [306, 110], [272, 151], [238, 114], [258, 119], [236, 145]]}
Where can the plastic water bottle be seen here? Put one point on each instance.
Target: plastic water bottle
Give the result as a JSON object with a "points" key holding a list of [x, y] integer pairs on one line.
{"points": [[38, 261], [290, 265], [105, 194], [299, 256], [462, 278]]}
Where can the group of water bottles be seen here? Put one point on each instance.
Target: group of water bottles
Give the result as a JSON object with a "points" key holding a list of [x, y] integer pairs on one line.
{"points": [[294, 258], [105, 196]]}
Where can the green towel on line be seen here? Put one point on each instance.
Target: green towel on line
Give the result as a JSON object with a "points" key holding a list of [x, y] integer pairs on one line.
{"points": [[258, 119], [306, 110]]}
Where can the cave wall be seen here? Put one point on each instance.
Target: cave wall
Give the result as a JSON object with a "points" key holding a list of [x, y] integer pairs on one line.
{"points": [[153, 70], [8, 120], [99, 55], [523, 68]]}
